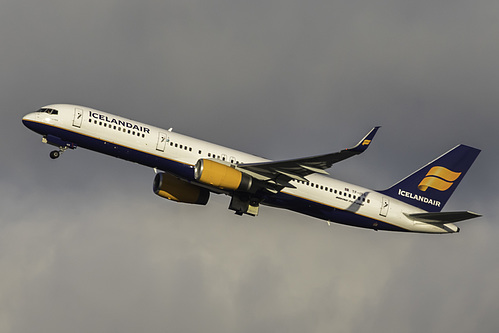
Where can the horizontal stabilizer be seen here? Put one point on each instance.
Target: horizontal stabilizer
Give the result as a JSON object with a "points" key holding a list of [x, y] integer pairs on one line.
{"points": [[442, 217]]}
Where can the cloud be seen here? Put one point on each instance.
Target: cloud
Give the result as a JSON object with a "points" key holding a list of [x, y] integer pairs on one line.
{"points": [[85, 245]]}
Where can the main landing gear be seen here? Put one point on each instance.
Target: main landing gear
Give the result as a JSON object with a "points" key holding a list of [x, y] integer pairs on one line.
{"points": [[244, 204]]}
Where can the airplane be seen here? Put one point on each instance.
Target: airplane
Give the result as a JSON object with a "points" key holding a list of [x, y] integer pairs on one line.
{"points": [[189, 169]]}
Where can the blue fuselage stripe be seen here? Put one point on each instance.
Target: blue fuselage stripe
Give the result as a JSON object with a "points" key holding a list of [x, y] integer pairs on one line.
{"points": [[326, 212], [183, 170], [186, 171]]}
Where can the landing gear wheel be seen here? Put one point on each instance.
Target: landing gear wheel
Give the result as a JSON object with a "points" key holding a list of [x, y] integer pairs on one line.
{"points": [[55, 154]]}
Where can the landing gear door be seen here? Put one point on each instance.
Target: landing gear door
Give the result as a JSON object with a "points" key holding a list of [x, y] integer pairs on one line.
{"points": [[385, 205], [78, 117], [162, 139]]}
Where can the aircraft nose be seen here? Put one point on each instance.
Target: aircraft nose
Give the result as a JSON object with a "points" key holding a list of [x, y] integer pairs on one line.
{"points": [[28, 119]]}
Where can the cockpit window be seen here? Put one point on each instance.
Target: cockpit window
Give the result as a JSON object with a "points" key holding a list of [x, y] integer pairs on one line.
{"points": [[49, 111]]}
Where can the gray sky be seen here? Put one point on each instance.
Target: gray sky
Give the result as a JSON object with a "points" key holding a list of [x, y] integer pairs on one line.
{"points": [[85, 246]]}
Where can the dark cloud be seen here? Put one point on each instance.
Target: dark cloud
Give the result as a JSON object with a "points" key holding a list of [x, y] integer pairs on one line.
{"points": [[86, 246]]}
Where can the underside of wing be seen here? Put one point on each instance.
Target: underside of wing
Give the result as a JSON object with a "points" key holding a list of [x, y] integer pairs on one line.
{"points": [[248, 184]]}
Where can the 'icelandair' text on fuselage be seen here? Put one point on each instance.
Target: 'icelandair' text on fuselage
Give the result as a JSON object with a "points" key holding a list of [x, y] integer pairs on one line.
{"points": [[419, 198], [118, 122]]}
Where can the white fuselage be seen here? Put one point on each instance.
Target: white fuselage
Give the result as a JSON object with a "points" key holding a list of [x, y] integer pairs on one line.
{"points": [[177, 154]]}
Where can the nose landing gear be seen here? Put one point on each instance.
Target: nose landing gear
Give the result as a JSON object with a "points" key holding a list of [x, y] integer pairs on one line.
{"points": [[55, 154], [61, 144]]}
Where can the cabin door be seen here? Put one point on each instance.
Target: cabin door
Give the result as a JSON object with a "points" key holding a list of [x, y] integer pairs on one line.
{"points": [[78, 117], [385, 205], [162, 139]]}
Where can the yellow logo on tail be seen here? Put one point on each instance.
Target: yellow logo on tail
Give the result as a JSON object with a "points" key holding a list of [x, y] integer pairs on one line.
{"points": [[366, 142], [439, 178]]}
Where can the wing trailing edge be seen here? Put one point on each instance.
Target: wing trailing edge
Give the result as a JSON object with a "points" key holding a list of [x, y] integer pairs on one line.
{"points": [[299, 168]]}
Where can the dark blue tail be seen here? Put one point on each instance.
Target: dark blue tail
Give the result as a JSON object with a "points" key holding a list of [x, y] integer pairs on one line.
{"points": [[431, 186]]}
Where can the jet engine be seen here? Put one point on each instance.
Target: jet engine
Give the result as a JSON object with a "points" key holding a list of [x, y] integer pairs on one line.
{"points": [[221, 176], [173, 188]]}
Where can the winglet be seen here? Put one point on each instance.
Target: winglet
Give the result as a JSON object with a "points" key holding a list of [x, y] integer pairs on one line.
{"points": [[365, 142]]}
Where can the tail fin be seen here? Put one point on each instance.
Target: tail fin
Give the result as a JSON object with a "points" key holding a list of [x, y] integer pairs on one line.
{"points": [[431, 186]]}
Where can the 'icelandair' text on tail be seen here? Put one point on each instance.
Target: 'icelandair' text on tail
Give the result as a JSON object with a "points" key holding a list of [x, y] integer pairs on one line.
{"points": [[419, 198]]}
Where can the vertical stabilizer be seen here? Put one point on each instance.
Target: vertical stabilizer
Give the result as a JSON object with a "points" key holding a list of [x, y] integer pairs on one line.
{"points": [[431, 186]]}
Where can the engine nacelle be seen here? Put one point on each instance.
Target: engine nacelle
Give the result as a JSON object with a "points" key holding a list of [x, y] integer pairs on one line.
{"points": [[221, 176], [173, 188]]}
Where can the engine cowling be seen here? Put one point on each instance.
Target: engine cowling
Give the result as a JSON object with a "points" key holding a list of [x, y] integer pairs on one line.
{"points": [[173, 188], [221, 176]]}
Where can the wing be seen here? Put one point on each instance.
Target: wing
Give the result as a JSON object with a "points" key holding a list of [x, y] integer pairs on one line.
{"points": [[281, 172]]}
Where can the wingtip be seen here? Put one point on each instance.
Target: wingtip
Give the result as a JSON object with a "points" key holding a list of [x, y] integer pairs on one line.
{"points": [[366, 141]]}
